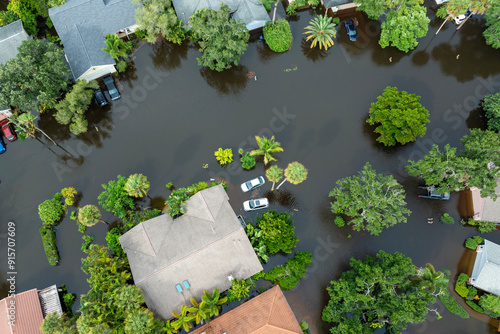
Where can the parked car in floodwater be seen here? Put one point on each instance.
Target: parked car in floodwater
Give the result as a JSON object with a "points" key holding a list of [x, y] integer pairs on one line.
{"points": [[255, 204], [99, 98], [110, 85], [351, 30], [2, 145], [8, 130], [252, 184]]}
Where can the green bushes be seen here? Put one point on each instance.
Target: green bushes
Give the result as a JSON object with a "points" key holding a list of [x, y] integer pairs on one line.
{"points": [[49, 244], [240, 289], [278, 35], [51, 210], [472, 293], [339, 221], [453, 306], [474, 306], [483, 227], [446, 219], [472, 242], [224, 156], [461, 285], [289, 275], [294, 6], [113, 242], [178, 197], [490, 305]]}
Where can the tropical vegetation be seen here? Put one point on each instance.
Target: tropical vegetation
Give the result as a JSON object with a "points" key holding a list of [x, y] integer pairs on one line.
{"points": [[278, 35], [274, 174], [321, 30], [492, 31], [89, 215], [473, 242], [247, 161], [119, 50], [49, 244], [225, 156], [491, 105], [295, 173], [288, 275], [178, 197], [115, 198], [137, 185], [51, 210], [267, 146]]}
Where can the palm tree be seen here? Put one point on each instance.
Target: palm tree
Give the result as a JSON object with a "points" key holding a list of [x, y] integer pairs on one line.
{"points": [[213, 302], [477, 7], [431, 279], [321, 29], [274, 174], [183, 319], [89, 215], [295, 173], [169, 328], [116, 47], [266, 147], [198, 311], [137, 185], [450, 9]]}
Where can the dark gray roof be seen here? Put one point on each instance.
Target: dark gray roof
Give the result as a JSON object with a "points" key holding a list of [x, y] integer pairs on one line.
{"points": [[204, 246], [82, 26], [486, 272], [335, 3], [251, 12], [11, 37]]}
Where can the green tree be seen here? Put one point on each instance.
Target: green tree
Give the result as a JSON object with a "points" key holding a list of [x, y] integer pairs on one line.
{"points": [[55, 324], [289, 275], [295, 173], [26, 10], [376, 8], [240, 289], [140, 320], [35, 78], [7, 17], [74, 105], [183, 320], [51, 210], [247, 161], [68, 194], [137, 185], [266, 148], [115, 199], [491, 106], [477, 7], [274, 174], [118, 50], [322, 31], [490, 305], [377, 292], [401, 117], [213, 302], [278, 232], [373, 202], [492, 32], [222, 40], [89, 215], [156, 17], [197, 311], [482, 146], [278, 35], [224, 156]]}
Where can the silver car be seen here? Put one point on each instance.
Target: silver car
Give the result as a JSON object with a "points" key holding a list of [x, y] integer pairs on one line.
{"points": [[255, 204], [252, 184]]}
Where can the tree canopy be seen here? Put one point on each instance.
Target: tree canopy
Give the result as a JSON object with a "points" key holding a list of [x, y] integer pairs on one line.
{"points": [[492, 32], [156, 17], [401, 117], [373, 201], [222, 40], [115, 198], [382, 291], [51, 210], [277, 231], [35, 78], [491, 106], [266, 147]]}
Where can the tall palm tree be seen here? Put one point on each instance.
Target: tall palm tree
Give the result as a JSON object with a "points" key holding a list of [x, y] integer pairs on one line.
{"points": [[183, 319], [321, 29], [89, 215], [116, 47], [137, 185], [477, 7], [431, 279], [295, 173], [274, 174], [450, 9], [266, 147], [213, 302]]}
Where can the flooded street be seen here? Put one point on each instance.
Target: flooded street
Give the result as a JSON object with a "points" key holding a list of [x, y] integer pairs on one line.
{"points": [[173, 115]]}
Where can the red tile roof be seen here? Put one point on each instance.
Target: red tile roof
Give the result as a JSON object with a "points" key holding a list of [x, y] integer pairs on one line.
{"points": [[268, 313], [26, 315]]}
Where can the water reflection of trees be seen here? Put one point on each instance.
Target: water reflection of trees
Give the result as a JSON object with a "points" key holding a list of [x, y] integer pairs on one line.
{"points": [[167, 55], [282, 197], [229, 82], [129, 75], [313, 54]]}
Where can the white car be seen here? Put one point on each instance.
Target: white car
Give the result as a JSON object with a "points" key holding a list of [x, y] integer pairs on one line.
{"points": [[252, 184], [255, 204], [461, 18]]}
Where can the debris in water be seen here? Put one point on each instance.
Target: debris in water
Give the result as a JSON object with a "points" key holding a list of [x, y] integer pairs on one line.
{"points": [[291, 69], [250, 75], [390, 59], [430, 220]]}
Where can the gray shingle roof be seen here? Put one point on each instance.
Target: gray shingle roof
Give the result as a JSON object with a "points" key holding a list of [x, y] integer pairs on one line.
{"points": [[204, 246], [486, 272], [335, 3], [11, 37], [251, 12], [82, 26]]}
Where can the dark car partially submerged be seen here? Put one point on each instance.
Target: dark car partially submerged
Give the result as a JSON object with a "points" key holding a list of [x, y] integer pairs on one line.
{"points": [[99, 98], [351, 30], [110, 85], [433, 194]]}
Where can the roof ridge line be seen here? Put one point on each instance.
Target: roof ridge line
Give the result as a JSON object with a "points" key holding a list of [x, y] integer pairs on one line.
{"points": [[149, 240], [187, 256], [272, 306], [83, 45], [206, 205], [17, 33]]}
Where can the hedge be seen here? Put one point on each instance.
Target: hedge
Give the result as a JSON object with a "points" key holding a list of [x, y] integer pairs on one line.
{"points": [[474, 306], [453, 306], [278, 35], [49, 244], [289, 275], [472, 242], [460, 285]]}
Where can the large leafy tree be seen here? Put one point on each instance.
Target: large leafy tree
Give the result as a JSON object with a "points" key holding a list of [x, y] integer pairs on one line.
{"points": [[451, 9], [373, 201], [222, 40], [377, 292], [321, 30], [267, 146], [137, 185], [491, 106], [277, 232], [74, 105], [492, 32], [374, 8], [401, 117], [35, 78], [55, 324], [156, 17], [115, 198], [404, 26], [295, 173]]}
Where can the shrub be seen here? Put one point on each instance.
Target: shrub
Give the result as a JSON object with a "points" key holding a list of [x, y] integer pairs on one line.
{"points": [[289, 275], [453, 306], [460, 285], [339, 221], [49, 244], [278, 232], [278, 35], [472, 242], [240, 289], [294, 6], [474, 306], [482, 226], [446, 219], [87, 240], [224, 156], [178, 197], [247, 161], [259, 275], [490, 305], [491, 106], [69, 300], [472, 293], [169, 185], [113, 242], [51, 210], [267, 4], [305, 327]]}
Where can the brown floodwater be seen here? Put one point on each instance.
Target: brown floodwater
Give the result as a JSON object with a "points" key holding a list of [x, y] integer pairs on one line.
{"points": [[174, 115]]}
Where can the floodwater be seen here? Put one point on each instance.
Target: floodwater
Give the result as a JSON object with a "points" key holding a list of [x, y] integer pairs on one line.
{"points": [[174, 115]]}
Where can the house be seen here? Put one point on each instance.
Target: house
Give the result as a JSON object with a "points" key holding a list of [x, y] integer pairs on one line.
{"points": [[24, 312], [267, 313], [11, 37], [485, 208], [173, 260], [334, 6], [486, 271], [251, 12], [82, 26]]}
